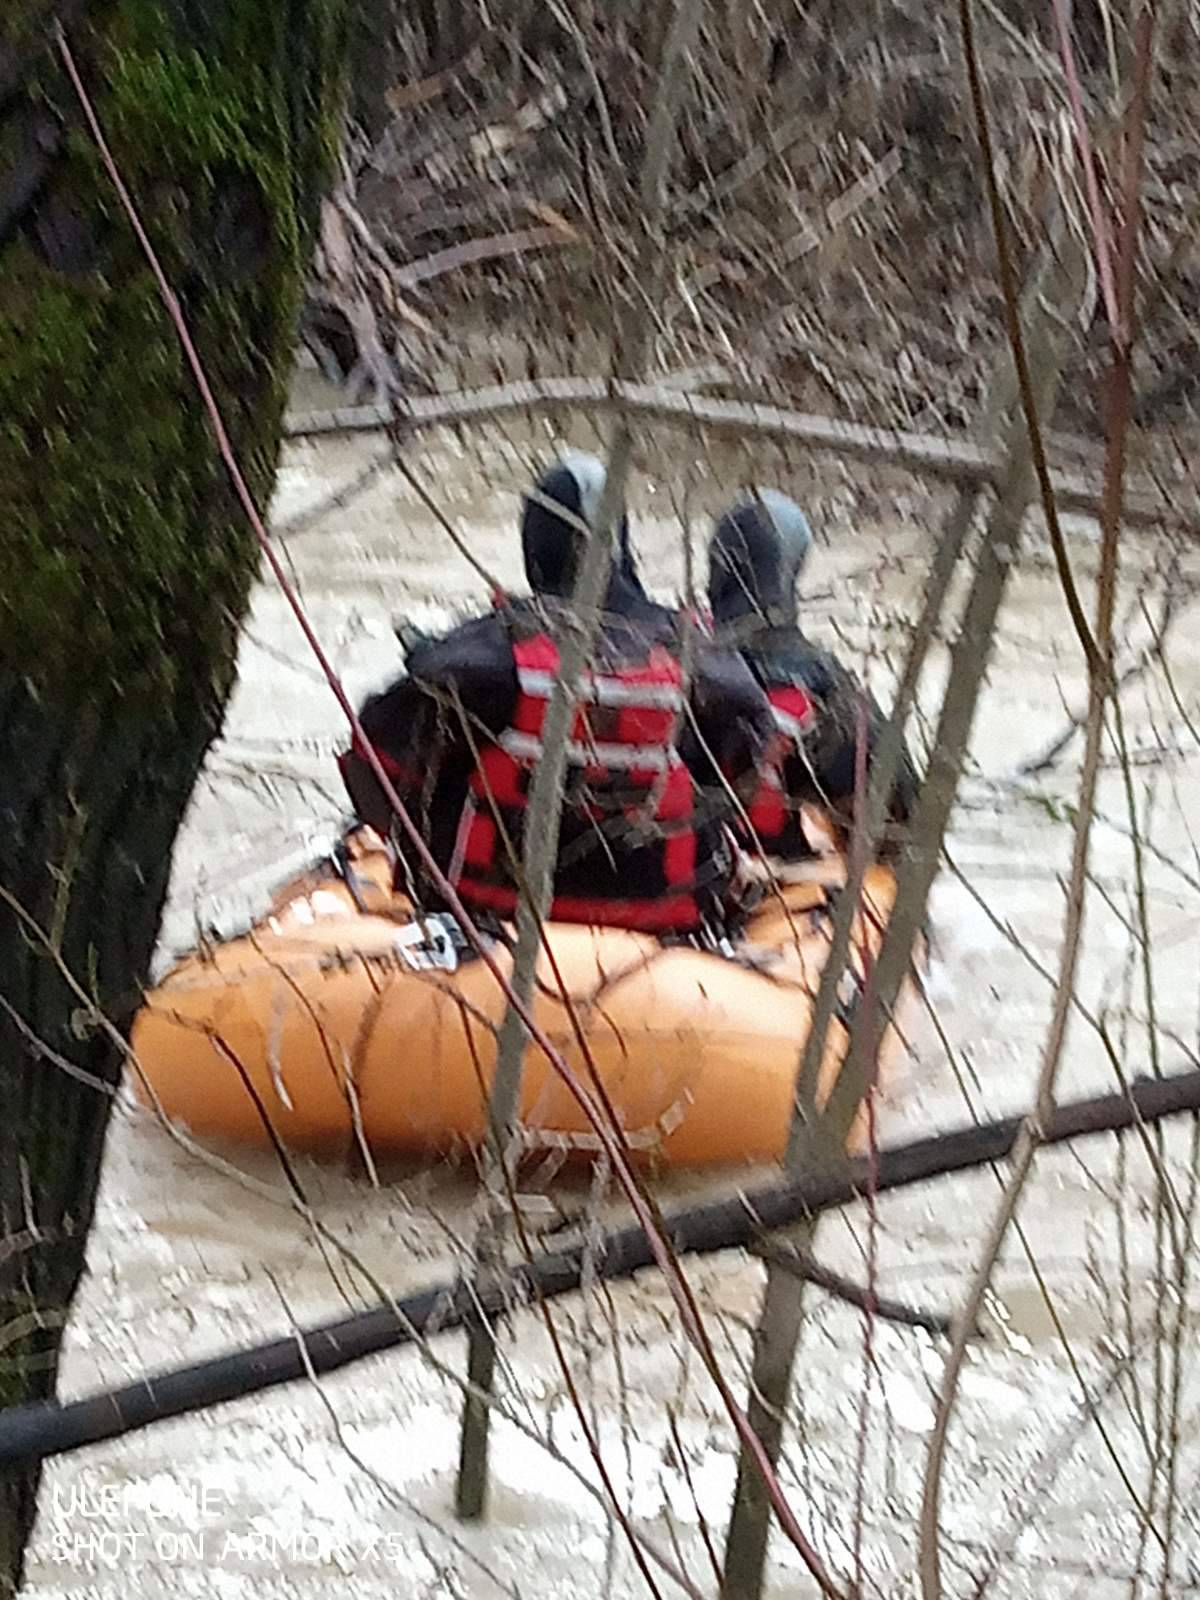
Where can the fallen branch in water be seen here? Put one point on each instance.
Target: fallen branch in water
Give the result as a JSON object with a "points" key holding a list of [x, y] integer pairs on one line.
{"points": [[951, 460], [32, 1432]]}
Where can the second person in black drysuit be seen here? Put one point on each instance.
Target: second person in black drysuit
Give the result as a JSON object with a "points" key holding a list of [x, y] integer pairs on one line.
{"points": [[821, 711], [642, 843]]}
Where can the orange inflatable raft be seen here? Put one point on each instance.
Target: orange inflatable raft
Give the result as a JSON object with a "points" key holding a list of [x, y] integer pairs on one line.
{"points": [[339, 1019]]}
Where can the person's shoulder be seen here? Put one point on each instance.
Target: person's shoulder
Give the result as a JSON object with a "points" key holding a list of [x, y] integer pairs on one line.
{"points": [[724, 678], [633, 633], [475, 640], [788, 655]]}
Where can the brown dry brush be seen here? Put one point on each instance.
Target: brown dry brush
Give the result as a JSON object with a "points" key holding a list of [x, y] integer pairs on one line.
{"points": [[825, 199]]}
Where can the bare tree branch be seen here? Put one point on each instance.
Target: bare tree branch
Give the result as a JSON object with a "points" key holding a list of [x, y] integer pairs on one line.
{"points": [[948, 460]]}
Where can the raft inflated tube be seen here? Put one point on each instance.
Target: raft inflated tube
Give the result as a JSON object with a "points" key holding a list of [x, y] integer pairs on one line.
{"points": [[328, 1025]]}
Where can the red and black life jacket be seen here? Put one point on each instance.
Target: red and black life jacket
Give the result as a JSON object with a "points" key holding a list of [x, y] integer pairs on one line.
{"points": [[773, 817], [627, 851]]}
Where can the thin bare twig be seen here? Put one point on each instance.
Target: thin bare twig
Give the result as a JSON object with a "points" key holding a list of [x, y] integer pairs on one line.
{"points": [[818, 1137]]}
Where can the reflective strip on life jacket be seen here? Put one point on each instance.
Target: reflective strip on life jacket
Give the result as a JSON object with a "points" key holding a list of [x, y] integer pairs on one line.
{"points": [[612, 757], [604, 691], [791, 726]]}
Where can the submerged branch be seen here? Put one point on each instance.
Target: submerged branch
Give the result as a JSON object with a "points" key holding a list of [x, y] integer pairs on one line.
{"points": [[799, 1264]]}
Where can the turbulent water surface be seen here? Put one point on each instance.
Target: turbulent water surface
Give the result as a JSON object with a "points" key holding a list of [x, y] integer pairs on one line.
{"points": [[351, 1484]]}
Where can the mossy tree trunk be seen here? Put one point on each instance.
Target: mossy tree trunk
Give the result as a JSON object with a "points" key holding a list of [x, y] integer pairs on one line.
{"points": [[125, 565]]}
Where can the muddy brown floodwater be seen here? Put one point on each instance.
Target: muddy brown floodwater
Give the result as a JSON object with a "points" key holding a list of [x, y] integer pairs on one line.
{"points": [[300, 1492]]}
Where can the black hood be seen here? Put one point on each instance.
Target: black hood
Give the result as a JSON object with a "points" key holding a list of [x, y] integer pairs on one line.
{"points": [[552, 546], [757, 552]]}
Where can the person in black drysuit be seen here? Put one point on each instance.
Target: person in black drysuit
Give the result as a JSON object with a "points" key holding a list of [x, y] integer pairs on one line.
{"points": [[756, 555], [643, 839]]}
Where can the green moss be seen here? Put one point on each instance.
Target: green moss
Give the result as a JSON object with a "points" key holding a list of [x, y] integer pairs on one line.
{"points": [[124, 545]]}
